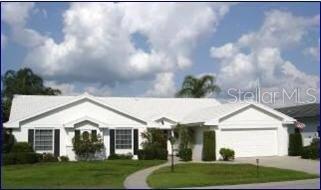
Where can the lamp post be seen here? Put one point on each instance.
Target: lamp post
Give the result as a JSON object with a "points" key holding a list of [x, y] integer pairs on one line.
{"points": [[257, 167]]}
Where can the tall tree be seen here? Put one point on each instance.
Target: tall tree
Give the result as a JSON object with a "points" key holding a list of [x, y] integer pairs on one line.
{"points": [[198, 87], [23, 81]]}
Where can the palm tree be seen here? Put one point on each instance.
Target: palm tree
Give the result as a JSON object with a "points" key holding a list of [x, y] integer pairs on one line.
{"points": [[198, 87], [23, 81]]}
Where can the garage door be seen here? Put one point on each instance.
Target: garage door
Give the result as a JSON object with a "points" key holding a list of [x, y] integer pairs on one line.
{"points": [[250, 142]]}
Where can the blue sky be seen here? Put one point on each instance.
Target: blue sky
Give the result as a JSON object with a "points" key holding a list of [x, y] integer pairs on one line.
{"points": [[162, 73]]}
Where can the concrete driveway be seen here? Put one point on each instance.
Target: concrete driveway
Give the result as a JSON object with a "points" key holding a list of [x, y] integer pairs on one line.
{"points": [[286, 162]]}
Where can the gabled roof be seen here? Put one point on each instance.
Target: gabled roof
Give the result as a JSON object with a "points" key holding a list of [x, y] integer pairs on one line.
{"points": [[144, 109], [299, 111], [213, 115]]}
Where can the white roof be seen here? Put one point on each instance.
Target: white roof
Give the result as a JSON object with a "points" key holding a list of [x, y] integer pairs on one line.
{"points": [[180, 110], [150, 109], [215, 113]]}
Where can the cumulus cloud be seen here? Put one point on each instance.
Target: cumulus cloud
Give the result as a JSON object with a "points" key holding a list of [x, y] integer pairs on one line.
{"points": [[164, 86], [313, 51], [258, 55], [16, 14], [98, 45]]}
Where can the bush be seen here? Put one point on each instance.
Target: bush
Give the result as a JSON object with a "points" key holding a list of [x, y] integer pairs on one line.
{"points": [[8, 142], [209, 147], [87, 146], [48, 157], [21, 147], [153, 152], [185, 154], [64, 159], [312, 151], [227, 154], [295, 144], [20, 158], [120, 157]]}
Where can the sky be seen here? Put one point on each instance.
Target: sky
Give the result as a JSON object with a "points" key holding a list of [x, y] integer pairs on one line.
{"points": [[146, 49]]}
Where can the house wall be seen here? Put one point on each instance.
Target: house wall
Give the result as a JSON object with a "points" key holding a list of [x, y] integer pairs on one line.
{"points": [[57, 119]]}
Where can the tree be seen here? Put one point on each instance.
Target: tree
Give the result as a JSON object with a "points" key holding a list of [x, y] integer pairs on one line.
{"points": [[154, 145], [23, 81], [186, 141], [198, 87]]}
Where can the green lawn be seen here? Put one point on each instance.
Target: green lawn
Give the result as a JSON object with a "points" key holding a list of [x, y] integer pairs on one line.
{"points": [[106, 174], [196, 174]]}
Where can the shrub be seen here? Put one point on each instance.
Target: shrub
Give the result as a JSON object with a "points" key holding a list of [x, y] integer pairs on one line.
{"points": [[86, 146], [227, 154], [209, 147], [185, 154], [21, 147], [312, 151], [120, 157], [8, 142], [154, 146], [64, 159], [20, 158], [295, 144], [48, 157], [153, 152]]}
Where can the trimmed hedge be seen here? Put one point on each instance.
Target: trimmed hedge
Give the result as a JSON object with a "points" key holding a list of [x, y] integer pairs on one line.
{"points": [[120, 157], [20, 158], [312, 151], [227, 154], [153, 152], [185, 154], [295, 144], [47, 157], [21, 147], [64, 159], [209, 146]]}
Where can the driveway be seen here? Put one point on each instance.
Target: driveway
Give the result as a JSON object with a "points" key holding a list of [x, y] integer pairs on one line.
{"points": [[286, 162]]}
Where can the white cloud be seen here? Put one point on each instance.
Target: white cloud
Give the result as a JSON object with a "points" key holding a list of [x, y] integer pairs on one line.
{"points": [[16, 14], [313, 51], [164, 86], [258, 55], [98, 45]]}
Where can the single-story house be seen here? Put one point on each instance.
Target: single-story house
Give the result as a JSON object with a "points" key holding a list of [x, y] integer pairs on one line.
{"points": [[49, 123], [309, 115]]}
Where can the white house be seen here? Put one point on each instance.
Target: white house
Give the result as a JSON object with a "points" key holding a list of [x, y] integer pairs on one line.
{"points": [[49, 123]]}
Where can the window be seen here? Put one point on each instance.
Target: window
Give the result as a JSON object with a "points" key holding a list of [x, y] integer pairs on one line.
{"points": [[43, 140], [123, 139]]}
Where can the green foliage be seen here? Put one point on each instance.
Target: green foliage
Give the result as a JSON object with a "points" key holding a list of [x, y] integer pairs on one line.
{"points": [[64, 159], [21, 147], [86, 147], [186, 140], [185, 154], [312, 151], [120, 156], [154, 146], [8, 141], [227, 154], [209, 146], [153, 152], [20, 158], [47, 157], [295, 144], [198, 87], [23, 81]]}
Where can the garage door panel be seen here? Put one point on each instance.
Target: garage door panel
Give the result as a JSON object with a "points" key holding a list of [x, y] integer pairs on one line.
{"points": [[254, 142]]}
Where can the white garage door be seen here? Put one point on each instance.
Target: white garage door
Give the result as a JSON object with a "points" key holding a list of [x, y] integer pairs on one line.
{"points": [[250, 142]]}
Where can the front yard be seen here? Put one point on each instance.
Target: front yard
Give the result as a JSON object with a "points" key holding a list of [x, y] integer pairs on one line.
{"points": [[203, 174], [100, 174]]}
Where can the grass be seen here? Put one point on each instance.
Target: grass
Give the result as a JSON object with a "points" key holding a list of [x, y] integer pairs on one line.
{"points": [[95, 174], [199, 174]]}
